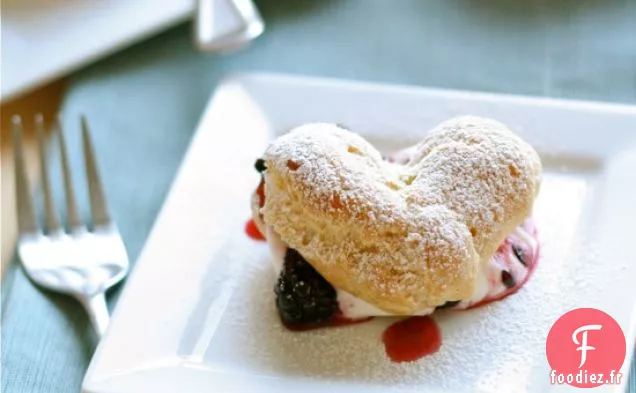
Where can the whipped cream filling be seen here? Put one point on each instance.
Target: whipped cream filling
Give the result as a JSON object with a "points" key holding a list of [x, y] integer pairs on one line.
{"points": [[503, 272]]}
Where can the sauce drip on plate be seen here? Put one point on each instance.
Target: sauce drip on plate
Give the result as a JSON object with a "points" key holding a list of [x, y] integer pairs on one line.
{"points": [[252, 231], [411, 339]]}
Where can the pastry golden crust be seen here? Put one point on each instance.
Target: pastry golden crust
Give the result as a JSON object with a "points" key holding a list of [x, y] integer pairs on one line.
{"points": [[402, 238]]}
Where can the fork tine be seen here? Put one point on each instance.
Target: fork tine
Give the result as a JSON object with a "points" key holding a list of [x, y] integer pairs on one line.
{"points": [[52, 221], [99, 208], [74, 221], [26, 214]]}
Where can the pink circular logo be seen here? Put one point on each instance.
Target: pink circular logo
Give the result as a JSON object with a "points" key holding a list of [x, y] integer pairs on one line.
{"points": [[585, 348]]}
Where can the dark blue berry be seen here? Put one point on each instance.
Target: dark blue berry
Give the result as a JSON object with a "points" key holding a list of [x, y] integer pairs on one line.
{"points": [[260, 165], [448, 304], [507, 279], [303, 296], [520, 254]]}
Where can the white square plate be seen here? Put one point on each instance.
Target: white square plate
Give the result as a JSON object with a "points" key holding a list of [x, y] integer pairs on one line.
{"points": [[198, 314]]}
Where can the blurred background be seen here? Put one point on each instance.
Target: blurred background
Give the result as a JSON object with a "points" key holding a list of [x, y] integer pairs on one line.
{"points": [[143, 72]]}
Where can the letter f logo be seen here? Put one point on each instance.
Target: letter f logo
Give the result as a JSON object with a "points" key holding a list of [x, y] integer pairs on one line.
{"points": [[584, 347]]}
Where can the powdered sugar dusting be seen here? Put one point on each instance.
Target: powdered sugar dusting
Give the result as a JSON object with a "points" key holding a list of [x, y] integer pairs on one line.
{"points": [[499, 345]]}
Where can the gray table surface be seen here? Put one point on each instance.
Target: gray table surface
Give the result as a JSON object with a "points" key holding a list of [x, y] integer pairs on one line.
{"points": [[144, 102]]}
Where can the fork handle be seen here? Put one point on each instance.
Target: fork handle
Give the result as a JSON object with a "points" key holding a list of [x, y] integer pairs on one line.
{"points": [[97, 312]]}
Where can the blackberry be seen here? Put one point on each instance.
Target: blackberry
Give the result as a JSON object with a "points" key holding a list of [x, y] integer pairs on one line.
{"points": [[260, 165], [303, 296]]}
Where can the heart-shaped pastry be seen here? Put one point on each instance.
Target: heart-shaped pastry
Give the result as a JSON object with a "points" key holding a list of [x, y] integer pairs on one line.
{"points": [[403, 238]]}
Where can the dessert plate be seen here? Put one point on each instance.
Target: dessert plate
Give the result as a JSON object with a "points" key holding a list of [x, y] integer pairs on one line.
{"points": [[198, 313]]}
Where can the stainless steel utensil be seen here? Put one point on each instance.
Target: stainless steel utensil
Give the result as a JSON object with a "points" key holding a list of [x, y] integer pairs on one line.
{"points": [[76, 261]]}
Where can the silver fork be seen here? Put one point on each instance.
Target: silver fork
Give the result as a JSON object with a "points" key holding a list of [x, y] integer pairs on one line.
{"points": [[79, 262]]}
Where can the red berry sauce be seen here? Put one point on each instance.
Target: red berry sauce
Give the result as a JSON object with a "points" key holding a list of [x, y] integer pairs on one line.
{"points": [[252, 231], [411, 338]]}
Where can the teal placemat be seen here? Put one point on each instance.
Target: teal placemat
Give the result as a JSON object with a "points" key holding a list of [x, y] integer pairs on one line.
{"points": [[144, 104]]}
